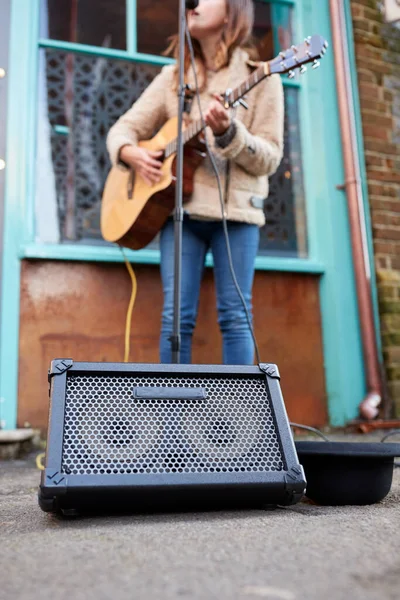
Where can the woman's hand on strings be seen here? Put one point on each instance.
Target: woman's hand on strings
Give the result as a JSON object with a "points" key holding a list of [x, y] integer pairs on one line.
{"points": [[144, 162], [217, 117]]}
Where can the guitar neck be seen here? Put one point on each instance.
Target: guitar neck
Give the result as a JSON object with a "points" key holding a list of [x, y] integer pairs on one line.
{"points": [[189, 134], [258, 75], [232, 96]]}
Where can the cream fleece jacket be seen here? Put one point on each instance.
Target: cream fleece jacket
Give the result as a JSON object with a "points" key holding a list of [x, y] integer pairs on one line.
{"points": [[255, 150]]}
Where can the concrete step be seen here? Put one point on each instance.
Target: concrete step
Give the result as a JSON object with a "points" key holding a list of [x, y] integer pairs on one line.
{"points": [[16, 443]]}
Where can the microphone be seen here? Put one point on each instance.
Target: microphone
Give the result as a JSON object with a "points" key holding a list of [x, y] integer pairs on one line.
{"points": [[191, 4]]}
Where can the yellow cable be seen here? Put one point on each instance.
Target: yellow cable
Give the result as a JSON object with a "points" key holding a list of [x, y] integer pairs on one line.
{"points": [[39, 463], [130, 307]]}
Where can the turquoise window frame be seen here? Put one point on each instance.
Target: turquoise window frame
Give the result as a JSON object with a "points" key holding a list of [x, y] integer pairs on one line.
{"points": [[327, 219]]}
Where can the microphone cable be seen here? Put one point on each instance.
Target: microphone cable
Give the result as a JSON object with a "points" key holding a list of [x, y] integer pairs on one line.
{"points": [[224, 222]]}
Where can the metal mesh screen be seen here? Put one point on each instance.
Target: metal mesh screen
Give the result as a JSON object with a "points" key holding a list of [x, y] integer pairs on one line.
{"points": [[108, 431]]}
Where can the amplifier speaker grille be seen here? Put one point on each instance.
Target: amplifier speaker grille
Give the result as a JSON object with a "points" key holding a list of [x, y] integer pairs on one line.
{"points": [[109, 431]]}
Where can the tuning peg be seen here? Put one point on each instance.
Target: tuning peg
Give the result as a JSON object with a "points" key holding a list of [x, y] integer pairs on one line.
{"points": [[243, 103], [291, 74], [316, 64], [308, 40], [303, 69]]}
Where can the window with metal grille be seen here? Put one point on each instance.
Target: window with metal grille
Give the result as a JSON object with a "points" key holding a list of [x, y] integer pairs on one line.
{"points": [[92, 70]]}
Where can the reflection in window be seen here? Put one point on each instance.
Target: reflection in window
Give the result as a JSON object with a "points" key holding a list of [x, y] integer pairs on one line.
{"points": [[93, 22], [262, 30], [273, 30], [284, 34], [156, 22]]}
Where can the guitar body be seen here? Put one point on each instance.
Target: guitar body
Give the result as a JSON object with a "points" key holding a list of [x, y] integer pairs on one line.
{"points": [[133, 212]]}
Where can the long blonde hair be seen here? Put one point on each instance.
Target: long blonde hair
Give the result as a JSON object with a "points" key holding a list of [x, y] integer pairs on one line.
{"points": [[236, 34]]}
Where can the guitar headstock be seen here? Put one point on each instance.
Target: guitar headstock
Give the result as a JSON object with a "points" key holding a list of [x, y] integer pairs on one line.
{"points": [[313, 48]]}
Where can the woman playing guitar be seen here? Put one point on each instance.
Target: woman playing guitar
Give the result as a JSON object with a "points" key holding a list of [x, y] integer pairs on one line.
{"points": [[247, 147]]}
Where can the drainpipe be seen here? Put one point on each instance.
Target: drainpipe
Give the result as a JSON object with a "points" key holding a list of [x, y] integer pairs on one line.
{"points": [[352, 187]]}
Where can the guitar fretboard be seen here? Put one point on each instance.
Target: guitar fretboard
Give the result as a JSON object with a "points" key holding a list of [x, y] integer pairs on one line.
{"points": [[194, 129], [232, 97], [255, 78]]}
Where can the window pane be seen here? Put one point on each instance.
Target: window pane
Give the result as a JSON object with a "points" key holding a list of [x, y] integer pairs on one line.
{"points": [[273, 30], [262, 30], [88, 94], [93, 22], [156, 22], [284, 233]]}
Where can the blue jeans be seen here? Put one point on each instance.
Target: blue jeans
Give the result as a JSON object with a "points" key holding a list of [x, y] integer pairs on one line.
{"points": [[198, 237]]}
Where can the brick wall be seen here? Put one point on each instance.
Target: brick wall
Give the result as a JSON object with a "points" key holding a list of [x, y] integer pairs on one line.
{"points": [[377, 47]]}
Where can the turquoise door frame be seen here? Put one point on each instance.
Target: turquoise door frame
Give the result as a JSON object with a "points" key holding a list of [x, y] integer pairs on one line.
{"points": [[19, 167], [343, 358], [329, 240]]}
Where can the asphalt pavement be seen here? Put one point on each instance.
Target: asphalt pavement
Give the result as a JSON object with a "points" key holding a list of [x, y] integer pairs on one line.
{"points": [[304, 552]]}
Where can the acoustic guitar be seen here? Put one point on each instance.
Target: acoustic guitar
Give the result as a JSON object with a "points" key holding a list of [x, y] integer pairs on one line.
{"points": [[132, 211]]}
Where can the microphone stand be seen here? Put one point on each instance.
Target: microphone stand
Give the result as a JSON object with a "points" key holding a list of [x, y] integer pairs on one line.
{"points": [[178, 215]]}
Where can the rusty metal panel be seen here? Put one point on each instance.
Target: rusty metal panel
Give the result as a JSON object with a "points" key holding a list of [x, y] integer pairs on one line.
{"points": [[78, 310]]}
